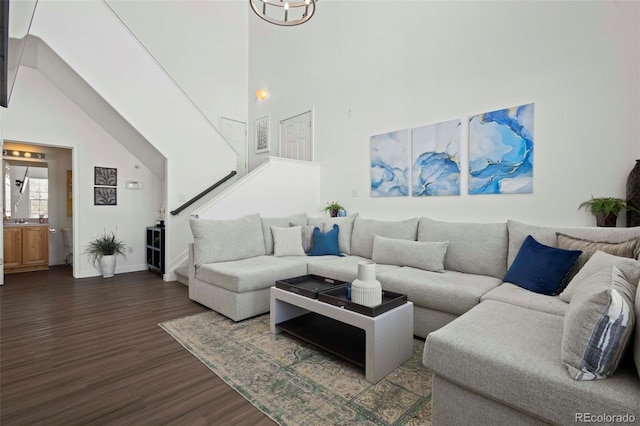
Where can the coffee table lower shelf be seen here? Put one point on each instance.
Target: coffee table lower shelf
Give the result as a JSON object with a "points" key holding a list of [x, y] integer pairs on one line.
{"points": [[338, 338]]}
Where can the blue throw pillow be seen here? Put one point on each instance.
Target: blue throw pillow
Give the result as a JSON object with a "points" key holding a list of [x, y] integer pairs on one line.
{"points": [[325, 244], [540, 268]]}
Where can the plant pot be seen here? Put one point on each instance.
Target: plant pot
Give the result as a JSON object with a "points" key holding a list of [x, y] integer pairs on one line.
{"points": [[108, 265], [609, 220], [334, 212]]}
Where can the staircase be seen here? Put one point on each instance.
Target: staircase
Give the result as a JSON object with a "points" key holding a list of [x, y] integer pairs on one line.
{"points": [[182, 275]]}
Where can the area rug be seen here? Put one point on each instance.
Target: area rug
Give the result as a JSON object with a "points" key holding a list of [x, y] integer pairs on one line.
{"points": [[295, 383]]}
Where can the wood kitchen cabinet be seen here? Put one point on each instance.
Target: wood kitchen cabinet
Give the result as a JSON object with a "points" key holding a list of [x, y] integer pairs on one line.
{"points": [[26, 248]]}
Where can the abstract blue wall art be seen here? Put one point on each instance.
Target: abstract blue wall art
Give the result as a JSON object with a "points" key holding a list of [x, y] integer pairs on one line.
{"points": [[435, 159], [390, 164], [501, 151]]}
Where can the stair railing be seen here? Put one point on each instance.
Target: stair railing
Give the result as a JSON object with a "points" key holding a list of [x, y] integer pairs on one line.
{"points": [[203, 193]]}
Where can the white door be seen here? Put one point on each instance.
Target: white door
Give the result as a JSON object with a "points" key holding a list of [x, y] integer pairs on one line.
{"points": [[296, 138], [235, 132]]}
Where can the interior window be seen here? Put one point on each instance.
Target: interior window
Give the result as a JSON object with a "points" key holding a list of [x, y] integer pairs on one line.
{"points": [[38, 197]]}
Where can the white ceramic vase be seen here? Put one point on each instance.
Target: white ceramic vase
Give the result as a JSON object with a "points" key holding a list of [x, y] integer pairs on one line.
{"points": [[108, 265], [366, 290]]}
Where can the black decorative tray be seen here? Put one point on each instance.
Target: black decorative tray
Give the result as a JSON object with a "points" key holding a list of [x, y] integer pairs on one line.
{"points": [[309, 285], [338, 297]]}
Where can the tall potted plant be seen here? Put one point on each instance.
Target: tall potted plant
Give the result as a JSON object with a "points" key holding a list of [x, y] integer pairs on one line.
{"points": [[606, 209], [103, 251]]}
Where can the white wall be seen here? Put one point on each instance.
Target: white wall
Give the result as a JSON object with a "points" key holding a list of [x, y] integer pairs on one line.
{"points": [[202, 45], [100, 49], [270, 191], [40, 114], [373, 67]]}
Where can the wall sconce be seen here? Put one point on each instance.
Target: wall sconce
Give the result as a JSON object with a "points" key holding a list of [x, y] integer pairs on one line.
{"points": [[262, 94], [22, 154]]}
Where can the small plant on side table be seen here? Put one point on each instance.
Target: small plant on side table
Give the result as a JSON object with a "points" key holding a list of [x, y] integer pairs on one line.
{"points": [[606, 209], [333, 208]]}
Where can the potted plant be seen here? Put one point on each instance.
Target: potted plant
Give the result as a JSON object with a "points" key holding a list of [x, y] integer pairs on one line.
{"points": [[606, 209], [103, 251], [333, 208]]}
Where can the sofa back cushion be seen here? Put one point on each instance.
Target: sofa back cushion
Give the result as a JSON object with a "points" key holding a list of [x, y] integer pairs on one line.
{"points": [[344, 223], [518, 231], [474, 248], [364, 231], [268, 222], [225, 240]]}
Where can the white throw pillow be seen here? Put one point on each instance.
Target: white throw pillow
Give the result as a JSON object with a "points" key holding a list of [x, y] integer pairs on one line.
{"points": [[287, 241], [427, 255]]}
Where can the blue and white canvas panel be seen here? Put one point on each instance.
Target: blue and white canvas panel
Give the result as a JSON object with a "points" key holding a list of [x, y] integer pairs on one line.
{"points": [[435, 159], [390, 164], [501, 151]]}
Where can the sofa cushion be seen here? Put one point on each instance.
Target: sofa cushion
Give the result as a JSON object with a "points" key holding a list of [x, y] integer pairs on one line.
{"points": [[589, 247], [512, 355], [518, 231], [518, 296], [475, 248], [601, 266], [636, 340], [364, 230], [225, 240], [343, 268], [250, 274], [325, 243], [344, 223], [267, 222], [422, 255], [287, 241], [597, 328], [540, 268], [451, 292]]}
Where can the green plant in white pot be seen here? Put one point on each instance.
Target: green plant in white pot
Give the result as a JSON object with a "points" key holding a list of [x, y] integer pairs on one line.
{"points": [[103, 252]]}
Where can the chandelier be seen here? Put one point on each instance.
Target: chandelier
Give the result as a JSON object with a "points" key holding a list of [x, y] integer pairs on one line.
{"points": [[286, 13]]}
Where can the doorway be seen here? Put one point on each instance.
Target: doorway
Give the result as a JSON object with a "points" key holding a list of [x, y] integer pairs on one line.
{"points": [[235, 133], [296, 137]]}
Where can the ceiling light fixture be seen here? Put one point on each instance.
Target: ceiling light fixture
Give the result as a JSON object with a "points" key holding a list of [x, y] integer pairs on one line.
{"points": [[283, 13]]}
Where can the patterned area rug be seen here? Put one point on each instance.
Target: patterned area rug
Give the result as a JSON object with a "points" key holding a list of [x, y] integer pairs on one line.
{"points": [[295, 383]]}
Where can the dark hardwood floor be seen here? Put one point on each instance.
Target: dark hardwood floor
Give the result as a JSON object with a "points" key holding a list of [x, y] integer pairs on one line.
{"points": [[89, 351]]}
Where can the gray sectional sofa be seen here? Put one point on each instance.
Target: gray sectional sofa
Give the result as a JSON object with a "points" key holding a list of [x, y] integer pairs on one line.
{"points": [[499, 352]]}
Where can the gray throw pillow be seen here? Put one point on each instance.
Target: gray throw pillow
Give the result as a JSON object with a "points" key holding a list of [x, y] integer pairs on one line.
{"points": [[417, 254], [287, 241], [601, 264], [597, 328], [364, 230], [589, 247], [307, 235], [225, 240]]}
